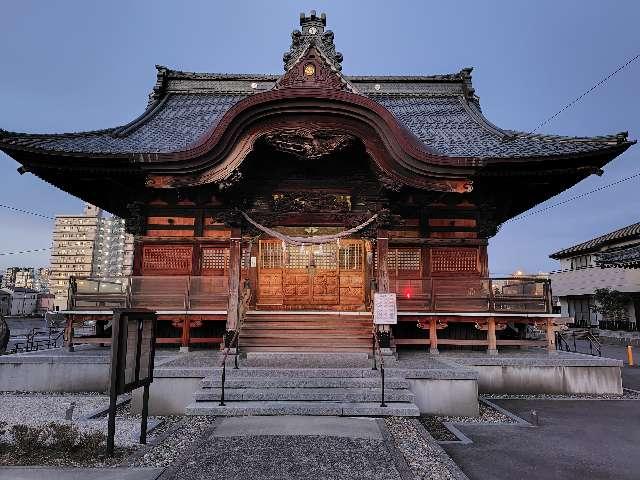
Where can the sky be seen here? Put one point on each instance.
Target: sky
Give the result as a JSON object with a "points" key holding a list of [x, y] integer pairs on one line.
{"points": [[75, 65]]}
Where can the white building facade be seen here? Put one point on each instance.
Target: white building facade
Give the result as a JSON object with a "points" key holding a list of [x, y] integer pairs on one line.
{"points": [[583, 269], [88, 245]]}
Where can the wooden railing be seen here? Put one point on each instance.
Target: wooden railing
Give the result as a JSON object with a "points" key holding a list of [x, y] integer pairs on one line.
{"points": [[154, 292], [474, 294]]}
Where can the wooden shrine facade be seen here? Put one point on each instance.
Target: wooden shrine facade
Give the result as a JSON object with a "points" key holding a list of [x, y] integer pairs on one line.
{"points": [[408, 164]]}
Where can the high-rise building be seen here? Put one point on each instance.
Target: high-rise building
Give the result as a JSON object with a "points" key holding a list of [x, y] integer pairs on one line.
{"points": [[88, 245]]}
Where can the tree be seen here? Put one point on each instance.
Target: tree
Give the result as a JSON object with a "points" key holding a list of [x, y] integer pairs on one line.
{"points": [[611, 304]]}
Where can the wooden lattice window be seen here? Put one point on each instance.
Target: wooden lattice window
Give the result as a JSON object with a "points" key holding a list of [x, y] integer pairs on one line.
{"points": [[405, 260], [271, 254], [167, 259], [351, 256], [454, 260], [214, 258]]}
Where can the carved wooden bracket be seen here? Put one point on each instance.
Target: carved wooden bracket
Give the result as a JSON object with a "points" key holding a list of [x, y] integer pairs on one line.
{"points": [[309, 143]]}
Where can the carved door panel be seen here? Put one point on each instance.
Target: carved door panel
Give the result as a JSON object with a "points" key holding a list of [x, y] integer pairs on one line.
{"points": [[325, 287], [296, 287], [351, 288], [270, 287]]}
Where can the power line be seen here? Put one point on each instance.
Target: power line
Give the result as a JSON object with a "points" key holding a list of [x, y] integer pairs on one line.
{"points": [[28, 212], [609, 185], [577, 99], [26, 251]]}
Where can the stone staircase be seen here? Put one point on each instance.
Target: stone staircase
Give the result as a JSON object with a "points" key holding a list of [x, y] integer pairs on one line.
{"points": [[352, 390], [264, 331]]}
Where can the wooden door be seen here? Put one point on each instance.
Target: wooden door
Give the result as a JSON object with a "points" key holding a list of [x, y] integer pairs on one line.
{"points": [[351, 263], [311, 276], [270, 273]]}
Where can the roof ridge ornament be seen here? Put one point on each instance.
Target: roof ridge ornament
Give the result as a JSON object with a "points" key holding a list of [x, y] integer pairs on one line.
{"points": [[314, 70], [312, 32]]}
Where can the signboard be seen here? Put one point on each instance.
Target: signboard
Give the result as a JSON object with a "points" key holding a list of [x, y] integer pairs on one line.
{"points": [[133, 339], [385, 309]]}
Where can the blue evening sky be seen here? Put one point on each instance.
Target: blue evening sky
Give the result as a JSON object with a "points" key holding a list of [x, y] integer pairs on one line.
{"points": [[79, 65]]}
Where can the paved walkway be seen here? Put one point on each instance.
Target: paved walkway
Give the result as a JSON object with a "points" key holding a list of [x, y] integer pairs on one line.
{"points": [[39, 473], [289, 447], [585, 439]]}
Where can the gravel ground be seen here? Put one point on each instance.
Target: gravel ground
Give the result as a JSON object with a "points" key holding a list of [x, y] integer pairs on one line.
{"points": [[170, 441], [627, 395], [487, 415], [424, 456]]}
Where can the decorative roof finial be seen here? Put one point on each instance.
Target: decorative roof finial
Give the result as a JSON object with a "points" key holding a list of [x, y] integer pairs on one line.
{"points": [[312, 32]]}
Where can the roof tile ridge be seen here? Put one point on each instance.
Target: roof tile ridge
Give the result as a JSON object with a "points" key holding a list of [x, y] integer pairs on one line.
{"points": [[596, 240], [476, 114], [618, 138], [7, 134]]}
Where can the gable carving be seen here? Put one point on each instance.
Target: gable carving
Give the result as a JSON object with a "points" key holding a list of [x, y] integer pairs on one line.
{"points": [[312, 70]]}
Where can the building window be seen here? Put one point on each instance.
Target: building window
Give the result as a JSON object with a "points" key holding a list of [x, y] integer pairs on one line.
{"points": [[582, 261], [580, 308]]}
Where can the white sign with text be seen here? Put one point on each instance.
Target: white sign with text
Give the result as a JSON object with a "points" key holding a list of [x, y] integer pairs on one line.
{"points": [[385, 309]]}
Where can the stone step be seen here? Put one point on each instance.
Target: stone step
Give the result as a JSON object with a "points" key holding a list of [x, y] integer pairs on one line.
{"points": [[305, 348], [300, 373], [344, 395], [404, 409], [302, 383]]}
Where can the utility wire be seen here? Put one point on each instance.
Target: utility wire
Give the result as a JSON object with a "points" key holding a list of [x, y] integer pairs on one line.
{"points": [[577, 99], [20, 210], [576, 197], [26, 251]]}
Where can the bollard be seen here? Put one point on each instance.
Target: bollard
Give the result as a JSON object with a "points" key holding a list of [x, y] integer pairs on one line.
{"points": [[535, 420], [630, 355], [68, 413]]}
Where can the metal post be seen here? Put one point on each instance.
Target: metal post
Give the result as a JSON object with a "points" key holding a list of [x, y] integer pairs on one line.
{"points": [[145, 414], [224, 374], [373, 350], [382, 404], [111, 422]]}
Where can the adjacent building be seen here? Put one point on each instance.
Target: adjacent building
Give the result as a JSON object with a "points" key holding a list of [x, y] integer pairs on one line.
{"points": [[608, 261], [5, 302], [88, 245], [22, 301]]}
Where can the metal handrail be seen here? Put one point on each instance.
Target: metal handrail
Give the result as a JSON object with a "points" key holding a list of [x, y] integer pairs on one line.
{"points": [[375, 347], [243, 306]]}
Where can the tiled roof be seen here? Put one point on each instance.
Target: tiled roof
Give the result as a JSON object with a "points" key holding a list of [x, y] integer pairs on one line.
{"points": [[171, 126], [625, 234], [628, 257], [442, 111]]}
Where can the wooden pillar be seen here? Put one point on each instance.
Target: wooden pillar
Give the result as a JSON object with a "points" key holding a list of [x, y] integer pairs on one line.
{"points": [[382, 275], [433, 337], [492, 348], [551, 338], [382, 251], [234, 278]]}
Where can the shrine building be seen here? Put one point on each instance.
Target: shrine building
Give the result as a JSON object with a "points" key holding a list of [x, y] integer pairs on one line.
{"points": [[278, 205]]}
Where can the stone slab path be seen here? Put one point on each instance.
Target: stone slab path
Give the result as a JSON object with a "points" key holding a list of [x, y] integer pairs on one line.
{"points": [[290, 447]]}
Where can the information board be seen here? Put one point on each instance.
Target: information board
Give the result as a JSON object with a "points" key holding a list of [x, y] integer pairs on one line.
{"points": [[385, 309]]}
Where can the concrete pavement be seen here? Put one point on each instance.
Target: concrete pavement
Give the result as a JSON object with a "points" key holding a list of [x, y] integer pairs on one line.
{"points": [[593, 440]]}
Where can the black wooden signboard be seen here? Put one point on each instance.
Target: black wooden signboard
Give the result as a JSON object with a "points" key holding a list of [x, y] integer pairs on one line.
{"points": [[133, 334]]}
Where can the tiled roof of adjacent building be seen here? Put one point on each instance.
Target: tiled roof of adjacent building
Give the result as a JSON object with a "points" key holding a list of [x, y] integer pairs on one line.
{"points": [[625, 234], [627, 257], [442, 111]]}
